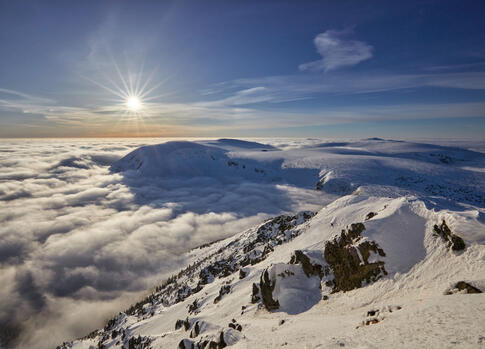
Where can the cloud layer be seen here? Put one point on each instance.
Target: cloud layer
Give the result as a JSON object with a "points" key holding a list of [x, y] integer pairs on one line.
{"points": [[337, 52], [76, 237]]}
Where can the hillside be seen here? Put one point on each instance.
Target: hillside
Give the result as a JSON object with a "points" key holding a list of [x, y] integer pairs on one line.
{"points": [[397, 257]]}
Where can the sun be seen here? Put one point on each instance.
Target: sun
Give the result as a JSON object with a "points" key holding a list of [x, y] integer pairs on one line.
{"points": [[133, 103]]}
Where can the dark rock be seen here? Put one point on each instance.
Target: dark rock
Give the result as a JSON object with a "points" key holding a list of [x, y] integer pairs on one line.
{"points": [[222, 343], [195, 330], [193, 307], [206, 344], [310, 269], [242, 274], [224, 290], [235, 326], [370, 215], [255, 294], [186, 344], [267, 288], [454, 241], [462, 285], [187, 324]]}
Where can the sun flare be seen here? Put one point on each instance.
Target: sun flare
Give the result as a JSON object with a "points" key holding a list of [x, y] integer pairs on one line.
{"points": [[133, 103]]}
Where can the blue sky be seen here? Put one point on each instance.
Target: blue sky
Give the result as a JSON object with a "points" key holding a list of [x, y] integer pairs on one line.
{"points": [[411, 69]]}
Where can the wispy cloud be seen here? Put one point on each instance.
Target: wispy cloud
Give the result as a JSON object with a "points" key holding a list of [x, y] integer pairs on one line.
{"points": [[337, 52]]}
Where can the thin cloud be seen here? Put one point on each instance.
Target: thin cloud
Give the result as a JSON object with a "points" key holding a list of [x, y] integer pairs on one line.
{"points": [[337, 52]]}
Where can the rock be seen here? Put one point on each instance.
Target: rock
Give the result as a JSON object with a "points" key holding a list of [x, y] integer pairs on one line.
{"points": [[179, 324], [463, 286], [193, 307], [310, 269], [370, 215], [454, 241], [195, 330], [343, 258], [206, 344], [372, 312], [186, 344], [222, 343], [255, 294], [235, 326], [242, 273], [187, 324], [267, 288], [224, 290]]}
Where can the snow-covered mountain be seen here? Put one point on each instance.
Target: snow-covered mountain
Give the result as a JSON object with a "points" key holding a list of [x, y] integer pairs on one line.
{"points": [[396, 259]]}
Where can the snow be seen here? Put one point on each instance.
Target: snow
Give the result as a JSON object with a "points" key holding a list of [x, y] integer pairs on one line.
{"points": [[410, 186]]}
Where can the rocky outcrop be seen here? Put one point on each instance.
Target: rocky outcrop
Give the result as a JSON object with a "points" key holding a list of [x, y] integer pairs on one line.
{"points": [[463, 287], [454, 241], [308, 268], [224, 290], [267, 287], [370, 215], [348, 258]]}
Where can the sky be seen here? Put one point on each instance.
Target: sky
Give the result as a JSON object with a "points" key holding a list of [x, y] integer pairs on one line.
{"points": [[413, 69]]}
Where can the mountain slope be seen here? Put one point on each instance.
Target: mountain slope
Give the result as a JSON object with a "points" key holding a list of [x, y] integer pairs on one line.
{"points": [[383, 265], [419, 268]]}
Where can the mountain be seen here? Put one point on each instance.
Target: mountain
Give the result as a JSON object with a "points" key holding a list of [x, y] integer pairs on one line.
{"points": [[396, 259]]}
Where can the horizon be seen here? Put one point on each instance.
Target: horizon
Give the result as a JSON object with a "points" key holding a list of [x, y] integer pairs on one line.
{"points": [[242, 69]]}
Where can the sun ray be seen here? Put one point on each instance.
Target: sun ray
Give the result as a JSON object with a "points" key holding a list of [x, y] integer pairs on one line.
{"points": [[138, 77], [104, 87], [122, 78]]}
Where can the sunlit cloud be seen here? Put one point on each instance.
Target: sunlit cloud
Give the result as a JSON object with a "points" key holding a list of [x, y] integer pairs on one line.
{"points": [[337, 52]]}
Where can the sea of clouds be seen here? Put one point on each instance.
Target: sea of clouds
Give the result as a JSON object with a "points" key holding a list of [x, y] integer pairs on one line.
{"points": [[79, 243]]}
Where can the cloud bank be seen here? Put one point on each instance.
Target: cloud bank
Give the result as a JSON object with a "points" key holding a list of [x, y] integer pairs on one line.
{"points": [[78, 243]]}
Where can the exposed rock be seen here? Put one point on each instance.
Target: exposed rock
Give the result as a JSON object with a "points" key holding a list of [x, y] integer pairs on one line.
{"points": [[343, 258], [463, 286], [309, 269], [255, 294], [375, 316], [454, 241], [222, 343], [235, 326], [179, 324], [186, 344], [139, 342], [370, 215], [206, 344], [224, 290], [242, 273], [193, 307], [267, 288], [195, 330]]}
